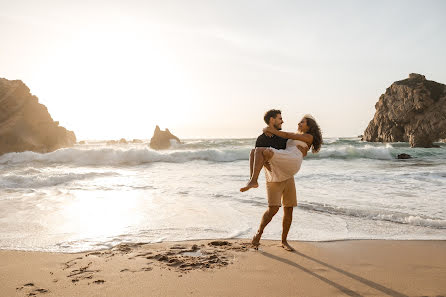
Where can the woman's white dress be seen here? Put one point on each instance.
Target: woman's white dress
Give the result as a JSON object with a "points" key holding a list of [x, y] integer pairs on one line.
{"points": [[285, 163]]}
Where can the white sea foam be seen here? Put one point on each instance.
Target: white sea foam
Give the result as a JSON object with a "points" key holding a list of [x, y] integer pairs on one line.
{"points": [[46, 180], [96, 195], [380, 215]]}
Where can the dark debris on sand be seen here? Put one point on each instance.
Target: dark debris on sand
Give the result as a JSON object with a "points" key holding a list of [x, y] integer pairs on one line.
{"points": [[184, 258]]}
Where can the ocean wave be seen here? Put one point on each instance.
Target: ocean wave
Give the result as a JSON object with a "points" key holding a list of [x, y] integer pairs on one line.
{"points": [[207, 150], [354, 152], [119, 156], [378, 215], [19, 181]]}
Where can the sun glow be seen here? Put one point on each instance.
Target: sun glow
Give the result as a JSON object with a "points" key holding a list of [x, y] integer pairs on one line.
{"points": [[99, 213], [112, 85]]}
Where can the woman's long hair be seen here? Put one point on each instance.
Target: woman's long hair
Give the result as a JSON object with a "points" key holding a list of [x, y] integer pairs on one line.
{"points": [[316, 132]]}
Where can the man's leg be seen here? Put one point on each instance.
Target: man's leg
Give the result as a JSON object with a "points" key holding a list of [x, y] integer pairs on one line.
{"points": [[267, 217], [286, 224], [289, 199]]}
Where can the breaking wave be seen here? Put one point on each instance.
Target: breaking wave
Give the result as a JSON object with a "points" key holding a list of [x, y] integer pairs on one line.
{"points": [[116, 156], [226, 150]]}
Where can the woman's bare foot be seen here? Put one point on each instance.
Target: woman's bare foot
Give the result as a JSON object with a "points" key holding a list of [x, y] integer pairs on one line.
{"points": [[256, 240], [287, 247], [250, 185], [267, 166]]}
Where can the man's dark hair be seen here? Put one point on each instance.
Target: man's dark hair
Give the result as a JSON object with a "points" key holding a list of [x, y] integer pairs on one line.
{"points": [[271, 114]]}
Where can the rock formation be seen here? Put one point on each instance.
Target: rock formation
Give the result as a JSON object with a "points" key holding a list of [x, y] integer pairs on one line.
{"points": [[111, 142], [404, 156], [161, 139], [411, 110], [25, 124]]}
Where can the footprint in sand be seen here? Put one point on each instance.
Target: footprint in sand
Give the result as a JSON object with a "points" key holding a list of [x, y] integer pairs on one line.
{"points": [[82, 273], [32, 290]]}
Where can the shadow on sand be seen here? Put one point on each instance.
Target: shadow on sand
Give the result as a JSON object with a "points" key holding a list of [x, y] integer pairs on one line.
{"points": [[343, 289]]}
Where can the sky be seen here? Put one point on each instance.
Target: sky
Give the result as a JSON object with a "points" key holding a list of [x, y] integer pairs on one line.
{"points": [[112, 69]]}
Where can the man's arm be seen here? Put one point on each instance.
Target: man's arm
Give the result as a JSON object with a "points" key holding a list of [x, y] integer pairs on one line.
{"points": [[302, 137]]}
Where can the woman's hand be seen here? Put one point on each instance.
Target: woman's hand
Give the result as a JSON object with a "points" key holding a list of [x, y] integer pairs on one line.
{"points": [[269, 129]]}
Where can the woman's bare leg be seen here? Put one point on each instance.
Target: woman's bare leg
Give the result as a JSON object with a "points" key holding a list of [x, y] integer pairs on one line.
{"points": [[267, 155], [261, 155], [251, 162]]}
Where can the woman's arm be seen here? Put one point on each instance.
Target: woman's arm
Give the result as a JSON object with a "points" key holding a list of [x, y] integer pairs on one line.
{"points": [[289, 135]]}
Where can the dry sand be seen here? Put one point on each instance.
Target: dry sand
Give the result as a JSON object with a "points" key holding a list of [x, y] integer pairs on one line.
{"points": [[232, 268]]}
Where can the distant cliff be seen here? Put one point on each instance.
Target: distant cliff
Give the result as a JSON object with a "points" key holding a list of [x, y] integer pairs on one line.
{"points": [[411, 110], [161, 139], [25, 124]]}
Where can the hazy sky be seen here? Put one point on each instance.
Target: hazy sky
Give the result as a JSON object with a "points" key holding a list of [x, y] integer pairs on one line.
{"points": [[112, 69]]}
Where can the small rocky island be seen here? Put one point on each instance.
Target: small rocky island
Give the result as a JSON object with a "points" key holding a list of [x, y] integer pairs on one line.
{"points": [[411, 110], [161, 139], [25, 124]]}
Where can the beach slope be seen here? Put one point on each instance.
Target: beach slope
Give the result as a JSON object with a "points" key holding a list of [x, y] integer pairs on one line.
{"points": [[232, 268]]}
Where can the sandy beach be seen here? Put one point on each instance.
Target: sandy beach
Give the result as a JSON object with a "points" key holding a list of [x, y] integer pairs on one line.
{"points": [[232, 268]]}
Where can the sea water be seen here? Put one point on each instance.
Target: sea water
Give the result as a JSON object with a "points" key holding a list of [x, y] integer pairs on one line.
{"points": [[94, 195]]}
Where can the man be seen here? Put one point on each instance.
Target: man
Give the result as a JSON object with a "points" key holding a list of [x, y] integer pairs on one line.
{"points": [[278, 192]]}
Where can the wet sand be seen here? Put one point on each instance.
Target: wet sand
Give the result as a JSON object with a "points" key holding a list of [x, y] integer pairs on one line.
{"points": [[232, 268]]}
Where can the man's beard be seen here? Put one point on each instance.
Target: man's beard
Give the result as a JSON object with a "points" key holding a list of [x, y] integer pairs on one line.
{"points": [[278, 127]]}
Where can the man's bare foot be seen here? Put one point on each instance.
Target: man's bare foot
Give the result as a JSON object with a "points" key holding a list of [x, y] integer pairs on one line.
{"points": [[256, 240], [250, 185], [287, 247]]}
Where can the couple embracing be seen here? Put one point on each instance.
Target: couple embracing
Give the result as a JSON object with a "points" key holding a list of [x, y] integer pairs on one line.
{"points": [[281, 153]]}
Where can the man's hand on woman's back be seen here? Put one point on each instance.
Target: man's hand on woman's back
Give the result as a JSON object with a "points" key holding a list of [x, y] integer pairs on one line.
{"points": [[304, 150]]}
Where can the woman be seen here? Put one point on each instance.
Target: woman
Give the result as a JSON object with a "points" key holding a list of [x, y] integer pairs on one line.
{"points": [[283, 164]]}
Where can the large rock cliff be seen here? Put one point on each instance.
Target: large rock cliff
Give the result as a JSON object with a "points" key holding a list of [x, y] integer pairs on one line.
{"points": [[25, 124], [161, 139], [411, 110]]}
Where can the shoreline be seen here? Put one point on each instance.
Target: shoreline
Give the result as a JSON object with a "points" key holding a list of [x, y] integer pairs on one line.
{"points": [[217, 239], [230, 267]]}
